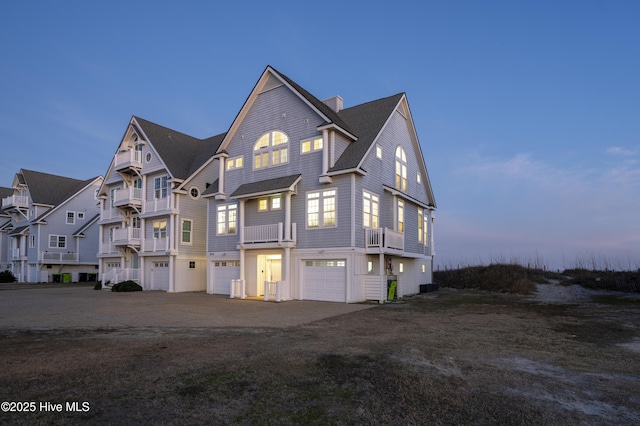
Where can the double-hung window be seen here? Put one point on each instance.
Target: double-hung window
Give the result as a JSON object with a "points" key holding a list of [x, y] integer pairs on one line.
{"points": [[400, 216], [57, 241], [160, 187], [271, 149], [227, 219], [370, 209], [160, 229], [401, 169], [71, 217], [321, 208], [187, 229]]}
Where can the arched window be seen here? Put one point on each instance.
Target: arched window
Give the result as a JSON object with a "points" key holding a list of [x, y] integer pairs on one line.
{"points": [[271, 149], [401, 169]]}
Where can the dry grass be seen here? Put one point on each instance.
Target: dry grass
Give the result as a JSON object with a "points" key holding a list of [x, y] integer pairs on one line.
{"points": [[451, 357]]}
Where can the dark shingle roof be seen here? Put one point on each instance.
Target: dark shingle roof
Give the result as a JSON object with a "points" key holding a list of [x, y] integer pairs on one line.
{"points": [[266, 186], [50, 189], [181, 153], [366, 120], [80, 231], [318, 104], [4, 192], [212, 189], [19, 230]]}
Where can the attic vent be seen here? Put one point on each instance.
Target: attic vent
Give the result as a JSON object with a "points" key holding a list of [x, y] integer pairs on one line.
{"points": [[334, 103]]}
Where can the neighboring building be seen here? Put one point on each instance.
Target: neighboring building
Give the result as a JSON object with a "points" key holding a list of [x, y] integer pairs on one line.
{"points": [[5, 222], [52, 231], [332, 203], [153, 225]]}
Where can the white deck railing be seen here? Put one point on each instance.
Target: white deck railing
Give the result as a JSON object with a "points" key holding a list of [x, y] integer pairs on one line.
{"points": [[15, 201], [127, 196], [128, 158], [127, 235], [58, 257], [157, 204], [384, 238], [156, 244], [272, 233]]}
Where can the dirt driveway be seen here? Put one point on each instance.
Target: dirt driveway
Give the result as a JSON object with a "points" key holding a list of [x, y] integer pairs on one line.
{"points": [[451, 357]]}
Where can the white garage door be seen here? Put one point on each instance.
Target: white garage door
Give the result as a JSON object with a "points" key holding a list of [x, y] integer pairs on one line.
{"points": [[223, 273], [160, 275], [325, 280]]}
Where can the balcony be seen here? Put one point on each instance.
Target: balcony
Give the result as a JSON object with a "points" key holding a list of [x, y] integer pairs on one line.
{"points": [[157, 206], [128, 197], [110, 215], [156, 244], [126, 237], [264, 236], [58, 257], [128, 160], [15, 201], [383, 240], [108, 249], [18, 254]]}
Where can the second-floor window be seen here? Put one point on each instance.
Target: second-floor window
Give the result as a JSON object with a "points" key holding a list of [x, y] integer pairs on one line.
{"points": [[160, 187], [423, 227], [311, 145], [57, 241], [271, 149], [370, 209], [227, 219], [401, 169], [159, 229], [71, 218], [187, 227], [321, 209], [400, 216]]}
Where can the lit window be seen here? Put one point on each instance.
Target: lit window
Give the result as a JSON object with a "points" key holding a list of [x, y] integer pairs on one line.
{"points": [[418, 178], [420, 225], [263, 205], [187, 225], [227, 219], [311, 145], [401, 169], [424, 269], [234, 163], [159, 229], [401, 267], [271, 150], [370, 208], [321, 209], [275, 202], [379, 151], [369, 267], [400, 216]]}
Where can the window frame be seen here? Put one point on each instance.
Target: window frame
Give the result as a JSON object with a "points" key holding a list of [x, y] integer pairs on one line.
{"points": [[59, 239], [70, 215], [400, 217], [188, 232], [313, 145], [159, 229], [373, 202], [224, 211], [270, 150], [160, 187], [322, 196], [234, 163], [401, 169]]}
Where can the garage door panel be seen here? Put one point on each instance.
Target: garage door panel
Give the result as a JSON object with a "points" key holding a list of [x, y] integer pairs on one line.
{"points": [[325, 280], [223, 273]]}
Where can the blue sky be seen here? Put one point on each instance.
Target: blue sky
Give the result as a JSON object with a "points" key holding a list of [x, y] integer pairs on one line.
{"points": [[528, 112]]}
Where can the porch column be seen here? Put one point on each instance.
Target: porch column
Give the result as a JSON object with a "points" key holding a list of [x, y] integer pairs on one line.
{"points": [[287, 217], [383, 269], [286, 267], [241, 222], [242, 266], [221, 164], [172, 281], [325, 151]]}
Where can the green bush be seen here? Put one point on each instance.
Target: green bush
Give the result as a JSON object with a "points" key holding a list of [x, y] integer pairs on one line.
{"points": [[7, 277], [126, 286]]}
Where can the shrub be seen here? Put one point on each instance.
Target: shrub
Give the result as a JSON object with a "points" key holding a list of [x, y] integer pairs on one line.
{"points": [[126, 286], [7, 277], [98, 286], [504, 278]]}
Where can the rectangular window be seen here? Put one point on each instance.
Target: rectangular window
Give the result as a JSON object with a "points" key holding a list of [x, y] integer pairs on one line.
{"points": [[192, 265], [80, 215], [401, 267], [418, 178], [370, 208], [400, 216], [71, 218], [159, 229], [379, 151], [32, 241], [227, 219], [311, 145], [160, 187], [321, 209], [111, 233], [234, 163], [272, 203], [275, 202], [425, 229], [263, 205], [186, 231], [57, 241], [423, 268], [420, 225]]}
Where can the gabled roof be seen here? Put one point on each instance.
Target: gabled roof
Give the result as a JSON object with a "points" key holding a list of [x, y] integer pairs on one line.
{"points": [[4, 192], [366, 120], [265, 187], [181, 153], [80, 231], [19, 230], [49, 189]]}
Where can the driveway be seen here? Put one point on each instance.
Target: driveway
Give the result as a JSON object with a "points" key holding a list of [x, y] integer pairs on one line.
{"points": [[79, 306]]}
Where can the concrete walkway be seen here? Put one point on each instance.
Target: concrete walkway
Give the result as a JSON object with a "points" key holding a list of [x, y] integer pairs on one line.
{"points": [[79, 306]]}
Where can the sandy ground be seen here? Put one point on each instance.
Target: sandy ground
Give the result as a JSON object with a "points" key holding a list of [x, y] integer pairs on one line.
{"points": [[566, 356]]}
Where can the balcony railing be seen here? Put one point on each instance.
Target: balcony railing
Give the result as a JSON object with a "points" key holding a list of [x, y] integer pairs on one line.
{"points": [[384, 238], [17, 253], [157, 205], [15, 201], [117, 275], [110, 214], [273, 233], [156, 244], [130, 158], [58, 257], [126, 236], [127, 197]]}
